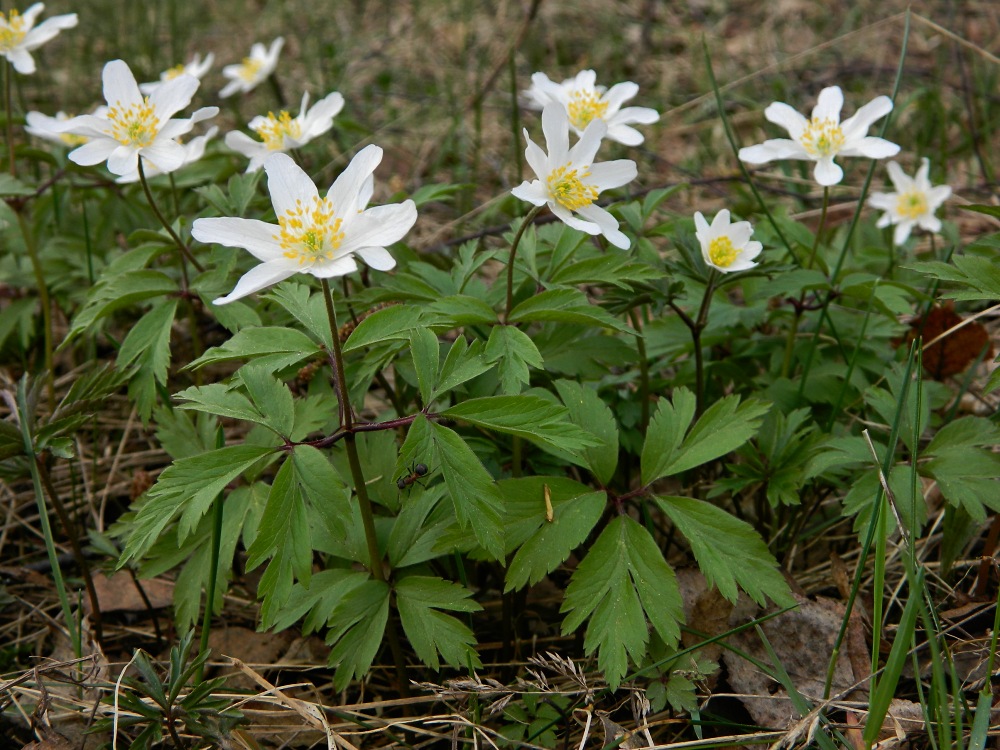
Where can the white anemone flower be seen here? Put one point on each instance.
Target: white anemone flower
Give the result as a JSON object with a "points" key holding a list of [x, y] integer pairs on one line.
{"points": [[52, 129], [134, 125], [824, 136], [255, 69], [726, 247], [19, 35], [568, 179], [585, 101], [283, 132], [196, 67], [913, 204], [315, 235], [193, 151]]}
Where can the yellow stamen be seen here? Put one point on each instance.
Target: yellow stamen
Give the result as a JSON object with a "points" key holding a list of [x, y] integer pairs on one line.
{"points": [[911, 205], [73, 140], [309, 234], [721, 252], [12, 31], [822, 138], [276, 129], [566, 186], [250, 68], [174, 72], [585, 106], [134, 125]]}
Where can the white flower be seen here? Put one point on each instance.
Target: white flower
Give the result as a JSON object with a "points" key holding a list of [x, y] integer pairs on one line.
{"points": [[569, 180], [195, 67], [585, 102], [314, 235], [19, 35], [913, 203], [135, 126], [724, 246], [193, 151], [247, 75], [282, 132], [824, 136], [52, 129]]}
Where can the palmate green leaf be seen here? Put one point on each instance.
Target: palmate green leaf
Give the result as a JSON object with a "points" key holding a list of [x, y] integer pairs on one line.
{"points": [[416, 530], [565, 306], [357, 627], [512, 352], [978, 277], [272, 346], [388, 324], [426, 353], [524, 504], [147, 348], [671, 448], [526, 416], [220, 400], [431, 632], [306, 307], [619, 270], [572, 520], [316, 600], [271, 398], [623, 576], [460, 310], [187, 488], [116, 292], [464, 362], [729, 551], [587, 410]]}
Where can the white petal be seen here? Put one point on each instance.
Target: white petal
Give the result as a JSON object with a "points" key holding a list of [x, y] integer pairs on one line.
{"points": [[48, 29], [22, 60], [608, 225], [624, 134], [123, 160], [533, 192], [902, 232], [827, 173], [346, 189], [337, 267], [900, 181], [584, 80], [619, 94], [260, 277], [739, 233], [930, 223], [872, 147], [93, 152], [119, 85], [229, 89], [380, 226], [167, 156], [256, 237], [720, 224], [584, 150], [751, 250], [611, 174], [555, 126], [536, 158], [287, 183], [563, 214], [774, 149], [641, 115], [701, 228], [244, 144], [829, 104], [172, 96], [882, 201], [781, 114], [320, 118], [937, 195], [857, 125], [922, 175], [376, 257]]}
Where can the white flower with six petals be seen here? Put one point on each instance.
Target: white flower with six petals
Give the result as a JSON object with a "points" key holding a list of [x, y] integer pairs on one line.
{"points": [[726, 247], [19, 35], [196, 67], [319, 236], [584, 101], [134, 125], [913, 204], [194, 149], [282, 132], [250, 73], [568, 179], [824, 136]]}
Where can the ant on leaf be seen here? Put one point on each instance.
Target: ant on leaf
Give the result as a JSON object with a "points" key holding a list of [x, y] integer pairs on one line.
{"points": [[416, 472]]}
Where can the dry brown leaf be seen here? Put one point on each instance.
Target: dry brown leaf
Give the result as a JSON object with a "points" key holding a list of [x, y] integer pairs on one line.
{"points": [[120, 594]]}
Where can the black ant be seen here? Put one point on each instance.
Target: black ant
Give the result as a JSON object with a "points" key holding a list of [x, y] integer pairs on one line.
{"points": [[416, 472]]}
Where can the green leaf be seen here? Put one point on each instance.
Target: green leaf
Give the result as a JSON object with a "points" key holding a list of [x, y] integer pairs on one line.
{"points": [[388, 324], [220, 400], [461, 310], [612, 268], [978, 277], [512, 352], [622, 576], [426, 353], [316, 599], [565, 306], [463, 363], [114, 293], [432, 632], [572, 520], [587, 410], [437, 191], [357, 629], [271, 397], [147, 347], [670, 448], [474, 494], [729, 551], [187, 488], [277, 348], [11, 186], [526, 416], [307, 308], [418, 527]]}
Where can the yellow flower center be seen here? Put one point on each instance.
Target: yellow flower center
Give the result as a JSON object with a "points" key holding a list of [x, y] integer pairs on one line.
{"points": [[721, 252], [822, 138], [585, 106], [174, 72], [309, 234], [134, 125], [276, 129], [911, 205], [250, 68], [566, 187], [73, 140], [12, 31]]}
